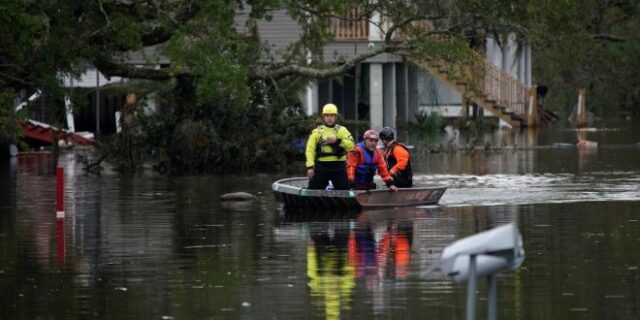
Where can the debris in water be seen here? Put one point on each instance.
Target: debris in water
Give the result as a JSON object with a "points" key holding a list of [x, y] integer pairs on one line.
{"points": [[237, 196]]}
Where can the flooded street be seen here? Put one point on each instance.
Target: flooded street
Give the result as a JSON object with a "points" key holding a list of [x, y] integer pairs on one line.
{"points": [[165, 247]]}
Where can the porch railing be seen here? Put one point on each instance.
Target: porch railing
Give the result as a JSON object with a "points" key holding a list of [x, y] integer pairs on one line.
{"points": [[500, 87], [488, 80], [503, 88], [353, 26]]}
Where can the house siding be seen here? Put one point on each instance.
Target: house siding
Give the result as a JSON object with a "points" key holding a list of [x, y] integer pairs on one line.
{"points": [[281, 31], [278, 33], [342, 50]]}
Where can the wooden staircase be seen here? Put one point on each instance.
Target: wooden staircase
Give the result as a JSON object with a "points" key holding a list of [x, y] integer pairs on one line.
{"points": [[484, 84]]}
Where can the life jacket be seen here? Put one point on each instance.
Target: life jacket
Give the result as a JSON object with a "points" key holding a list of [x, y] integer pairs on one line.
{"points": [[335, 149], [366, 170], [391, 161]]}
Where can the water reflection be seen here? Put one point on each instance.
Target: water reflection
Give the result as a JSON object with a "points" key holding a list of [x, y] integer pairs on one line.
{"points": [[353, 257], [339, 254], [331, 275]]}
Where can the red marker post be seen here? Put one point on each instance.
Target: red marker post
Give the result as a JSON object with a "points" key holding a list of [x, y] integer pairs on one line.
{"points": [[60, 247], [59, 192]]}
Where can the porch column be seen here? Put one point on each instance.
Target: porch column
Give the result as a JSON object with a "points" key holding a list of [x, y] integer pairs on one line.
{"points": [[581, 109], [71, 125], [375, 34], [532, 111], [376, 95], [527, 55], [510, 57], [310, 100], [389, 95]]}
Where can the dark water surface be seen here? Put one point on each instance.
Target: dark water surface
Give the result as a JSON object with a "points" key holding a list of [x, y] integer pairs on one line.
{"points": [[157, 247]]}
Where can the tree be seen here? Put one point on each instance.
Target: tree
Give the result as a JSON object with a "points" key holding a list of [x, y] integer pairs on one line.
{"points": [[219, 71], [591, 44], [43, 39]]}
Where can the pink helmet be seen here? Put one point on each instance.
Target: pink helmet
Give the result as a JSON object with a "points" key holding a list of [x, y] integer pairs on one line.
{"points": [[370, 134]]}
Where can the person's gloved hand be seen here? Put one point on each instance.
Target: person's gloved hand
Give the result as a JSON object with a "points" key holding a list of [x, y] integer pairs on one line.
{"points": [[329, 138], [391, 186]]}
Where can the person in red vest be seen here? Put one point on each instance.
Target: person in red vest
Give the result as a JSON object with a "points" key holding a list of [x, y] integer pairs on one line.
{"points": [[398, 159], [364, 160]]}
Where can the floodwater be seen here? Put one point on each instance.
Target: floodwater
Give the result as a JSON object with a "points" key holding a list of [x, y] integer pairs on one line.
{"points": [[158, 247]]}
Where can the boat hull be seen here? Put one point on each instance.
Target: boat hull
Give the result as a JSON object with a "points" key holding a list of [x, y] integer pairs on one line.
{"points": [[292, 192], [403, 197]]}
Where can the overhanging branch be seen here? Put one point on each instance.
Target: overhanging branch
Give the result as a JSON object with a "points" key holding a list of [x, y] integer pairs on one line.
{"points": [[155, 35], [316, 73], [611, 38], [163, 34]]}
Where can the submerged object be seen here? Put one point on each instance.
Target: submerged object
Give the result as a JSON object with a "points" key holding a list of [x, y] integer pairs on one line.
{"points": [[237, 197], [586, 144], [238, 201], [564, 145], [293, 193]]}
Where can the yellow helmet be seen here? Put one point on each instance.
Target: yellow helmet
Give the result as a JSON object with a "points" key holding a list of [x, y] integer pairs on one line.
{"points": [[329, 108]]}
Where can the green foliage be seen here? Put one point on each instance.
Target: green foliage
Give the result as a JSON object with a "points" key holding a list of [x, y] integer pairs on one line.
{"points": [[231, 103], [427, 123], [216, 136], [10, 129], [593, 45]]}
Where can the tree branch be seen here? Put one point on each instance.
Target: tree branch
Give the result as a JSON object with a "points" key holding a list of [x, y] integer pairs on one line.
{"points": [[612, 38], [155, 35], [104, 13], [324, 73], [404, 22], [163, 34], [14, 79]]}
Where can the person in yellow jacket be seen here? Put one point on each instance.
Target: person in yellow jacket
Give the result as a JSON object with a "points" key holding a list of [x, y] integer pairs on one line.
{"points": [[326, 152]]}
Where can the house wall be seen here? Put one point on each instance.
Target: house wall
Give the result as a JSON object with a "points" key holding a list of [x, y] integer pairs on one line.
{"points": [[386, 91], [85, 116], [414, 92], [395, 92], [282, 31], [277, 33], [402, 93], [437, 96], [506, 55], [90, 79]]}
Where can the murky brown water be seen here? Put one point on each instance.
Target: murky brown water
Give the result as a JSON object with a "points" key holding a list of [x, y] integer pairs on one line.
{"points": [[156, 247]]}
